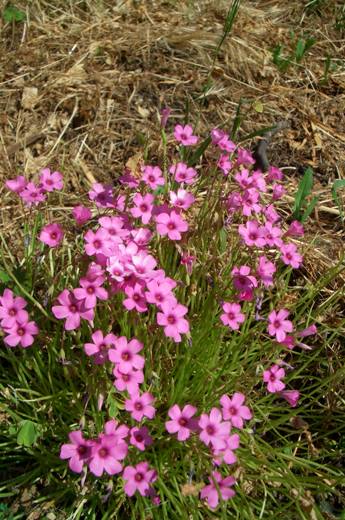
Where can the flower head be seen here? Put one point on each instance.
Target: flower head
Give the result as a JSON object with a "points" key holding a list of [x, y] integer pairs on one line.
{"points": [[78, 451], [50, 181], [52, 235], [273, 377], [171, 224], [278, 325], [181, 421], [184, 135], [171, 318], [232, 316], [138, 478], [210, 492]]}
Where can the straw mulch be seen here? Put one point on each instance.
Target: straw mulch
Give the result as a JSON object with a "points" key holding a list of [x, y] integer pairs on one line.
{"points": [[82, 83]]}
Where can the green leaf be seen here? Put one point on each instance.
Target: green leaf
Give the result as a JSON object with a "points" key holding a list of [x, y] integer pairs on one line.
{"points": [[258, 106], [337, 184], [13, 14], [199, 152], [304, 189], [27, 434], [309, 209], [4, 276]]}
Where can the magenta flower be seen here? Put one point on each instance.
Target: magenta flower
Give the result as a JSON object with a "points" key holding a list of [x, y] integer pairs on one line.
{"points": [[278, 191], [141, 236], [244, 282], [102, 195], [81, 215], [232, 316], [140, 438], [138, 478], [140, 406], [266, 270], [234, 410], [16, 185], [97, 242], [78, 452], [188, 261], [159, 293], [290, 255], [182, 199], [224, 164], [252, 234], [181, 422], [143, 265], [210, 492], [72, 309], [114, 228], [21, 333], [272, 235], [183, 173], [12, 309], [172, 225], [50, 181], [106, 453], [32, 194], [152, 176], [128, 180], [52, 235], [125, 355], [296, 229], [274, 174], [171, 318], [90, 289], [291, 396], [129, 381], [244, 179], [213, 429], [250, 202], [184, 135], [309, 331], [135, 298], [278, 325], [165, 113], [143, 207], [244, 157], [119, 431], [100, 347], [221, 139], [273, 377], [227, 454], [271, 214]]}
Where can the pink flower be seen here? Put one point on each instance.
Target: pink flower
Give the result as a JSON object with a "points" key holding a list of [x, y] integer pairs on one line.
{"points": [[233, 409], [114, 229], [97, 242], [244, 179], [90, 290], [16, 185], [221, 139], [182, 199], [118, 431], [138, 478], [78, 452], [213, 429], [227, 454], [278, 325], [244, 157], [106, 453], [210, 492], [165, 113], [252, 234], [274, 174], [266, 270], [271, 214], [290, 255], [21, 333], [81, 215], [188, 261], [171, 318], [143, 207], [181, 422], [135, 298], [72, 309], [172, 225], [250, 202], [291, 396], [129, 381], [309, 331], [102, 195], [152, 176], [272, 235], [278, 191], [184, 135], [159, 293], [32, 194], [12, 309], [141, 236], [125, 355], [224, 164], [143, 265], [50, 181], [182, 173], [140, 438], [128, 180], [100, 346], [52, 235], [244, 282], [296, 229], [232, 316], [140, 406], [273, 377]]}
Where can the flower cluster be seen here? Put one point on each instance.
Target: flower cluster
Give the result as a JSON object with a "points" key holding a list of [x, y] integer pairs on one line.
{"points": [[33, 194], [15, 321]]}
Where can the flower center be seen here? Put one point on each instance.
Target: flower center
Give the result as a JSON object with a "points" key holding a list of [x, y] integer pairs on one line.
{"points": [[136, 297], [103, 452], [171, 319], [276, 324], [231, 315], [253, 236], [210, 429], [233, 410], [151, 178], [138, 406], [139, 477], [125, 377], [143, 208], [126, 356], [12, 312], [97, 244], [103, 347], [73, 308], [139, 437], [182, 421], [49, 182], [82, 450], [53, 236], [20, 331], [90, 290], [171, 225]]}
